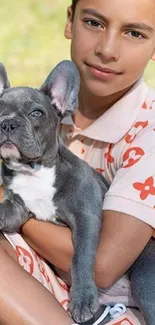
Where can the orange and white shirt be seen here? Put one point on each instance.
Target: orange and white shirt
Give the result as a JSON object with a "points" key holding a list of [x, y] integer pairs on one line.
{"points": [[121, 145]]}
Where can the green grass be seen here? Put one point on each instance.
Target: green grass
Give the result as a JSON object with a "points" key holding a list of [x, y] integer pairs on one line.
{"points": [[32, 40]]}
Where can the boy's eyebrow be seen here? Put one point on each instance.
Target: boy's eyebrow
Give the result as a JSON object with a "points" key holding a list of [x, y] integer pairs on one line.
{"points": [[141, 26], [95, 13]]}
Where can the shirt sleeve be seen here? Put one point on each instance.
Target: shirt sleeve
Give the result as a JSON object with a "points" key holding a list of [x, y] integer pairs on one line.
{"points": [[133, 188]]}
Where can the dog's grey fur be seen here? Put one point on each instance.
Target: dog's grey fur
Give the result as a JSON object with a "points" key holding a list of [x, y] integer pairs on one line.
{"points": [[79, 189], [29, 142]]}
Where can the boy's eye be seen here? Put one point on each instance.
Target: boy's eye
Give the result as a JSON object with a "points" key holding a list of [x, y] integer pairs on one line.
{"points": [[93, 23], [136, 34]]}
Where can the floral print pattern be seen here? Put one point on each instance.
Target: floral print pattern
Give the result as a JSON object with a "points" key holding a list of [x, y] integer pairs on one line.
{"points": [[146, 188]]}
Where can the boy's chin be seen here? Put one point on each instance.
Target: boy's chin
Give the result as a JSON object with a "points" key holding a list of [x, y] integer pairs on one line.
{"points": [[101, 90], [106, 89]]}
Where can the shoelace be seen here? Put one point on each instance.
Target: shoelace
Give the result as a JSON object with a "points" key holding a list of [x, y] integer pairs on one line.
{"points": [[114, 312], [117, 311]]}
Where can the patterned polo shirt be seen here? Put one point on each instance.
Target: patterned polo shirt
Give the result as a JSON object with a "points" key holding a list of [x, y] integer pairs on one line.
{"points": [[121, 145]]}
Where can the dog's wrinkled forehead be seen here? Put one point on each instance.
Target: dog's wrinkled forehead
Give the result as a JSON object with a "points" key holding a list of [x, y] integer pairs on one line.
{"points": [[21, 99], [59, 91]]}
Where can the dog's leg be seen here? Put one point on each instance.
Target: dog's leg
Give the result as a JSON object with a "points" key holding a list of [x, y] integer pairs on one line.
{"points": [[142, 275], [13, 212], [84, 294]]}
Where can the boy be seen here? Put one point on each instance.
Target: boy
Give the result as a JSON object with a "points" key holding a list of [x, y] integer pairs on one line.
{"points": [[113, 130]]}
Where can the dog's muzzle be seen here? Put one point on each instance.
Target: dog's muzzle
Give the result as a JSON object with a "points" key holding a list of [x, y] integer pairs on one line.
{"points": [[9, 126]]}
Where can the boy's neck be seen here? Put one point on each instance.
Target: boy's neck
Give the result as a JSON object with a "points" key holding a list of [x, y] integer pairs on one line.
{"points": [[92, 107]]}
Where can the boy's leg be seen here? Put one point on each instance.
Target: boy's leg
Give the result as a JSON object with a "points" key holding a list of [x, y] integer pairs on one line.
{"points": [[142, 275], [23, 300]]}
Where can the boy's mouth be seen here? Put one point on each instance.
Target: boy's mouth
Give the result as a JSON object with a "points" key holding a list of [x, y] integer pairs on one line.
{"points": [[101, 73], [104, 70]]}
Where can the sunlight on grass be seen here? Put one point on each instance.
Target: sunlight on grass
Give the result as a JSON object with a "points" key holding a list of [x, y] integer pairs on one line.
{"points": [[32, 40]]}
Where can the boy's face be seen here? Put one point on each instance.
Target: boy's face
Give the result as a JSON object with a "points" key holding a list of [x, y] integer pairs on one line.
{"points": [[115, 35]]}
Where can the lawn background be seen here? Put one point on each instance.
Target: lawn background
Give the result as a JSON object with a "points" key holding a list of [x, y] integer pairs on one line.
{"points": [[32, 40]]}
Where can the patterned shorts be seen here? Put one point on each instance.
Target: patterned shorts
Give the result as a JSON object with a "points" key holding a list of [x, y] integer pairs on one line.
{"points": [[38, 268]]}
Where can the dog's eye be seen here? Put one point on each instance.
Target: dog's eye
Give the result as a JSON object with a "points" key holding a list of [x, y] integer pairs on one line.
{"points": [[37, 113]]}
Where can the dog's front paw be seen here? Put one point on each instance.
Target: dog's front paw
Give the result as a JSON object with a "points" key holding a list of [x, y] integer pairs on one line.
{"points": [[2, 217], [84, 304]]}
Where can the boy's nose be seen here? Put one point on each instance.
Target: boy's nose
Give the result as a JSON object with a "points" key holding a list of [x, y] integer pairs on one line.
{"points": [[108, 48]]}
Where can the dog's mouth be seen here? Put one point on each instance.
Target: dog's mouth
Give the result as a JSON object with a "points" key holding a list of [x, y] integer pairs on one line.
{"points": [[12, 157], [9, 150], [15, 160]]}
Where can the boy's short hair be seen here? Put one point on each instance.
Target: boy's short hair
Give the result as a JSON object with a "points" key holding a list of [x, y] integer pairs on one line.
{"points": [[74, 2]]}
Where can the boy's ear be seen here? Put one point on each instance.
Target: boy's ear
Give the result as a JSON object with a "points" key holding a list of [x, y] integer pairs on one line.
{"points": [[68, 28], [153, 56]]}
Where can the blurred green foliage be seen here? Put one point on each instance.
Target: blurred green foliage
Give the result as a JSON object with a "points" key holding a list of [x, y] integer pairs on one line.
{"points": [[32, 39]]}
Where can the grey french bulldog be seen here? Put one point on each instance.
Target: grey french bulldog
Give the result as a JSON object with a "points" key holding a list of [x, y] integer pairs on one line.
{"points": [[41, 176]]}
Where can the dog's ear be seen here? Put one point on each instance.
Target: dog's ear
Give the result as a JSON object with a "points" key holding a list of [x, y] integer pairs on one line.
{"points": [[62, 86], [4, 82]]}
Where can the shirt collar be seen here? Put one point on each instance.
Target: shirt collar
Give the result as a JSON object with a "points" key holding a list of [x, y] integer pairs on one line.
{"points": [[115, 122]]}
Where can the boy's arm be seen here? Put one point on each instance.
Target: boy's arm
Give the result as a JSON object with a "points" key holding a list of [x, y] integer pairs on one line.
{"points": [[122, 239]]}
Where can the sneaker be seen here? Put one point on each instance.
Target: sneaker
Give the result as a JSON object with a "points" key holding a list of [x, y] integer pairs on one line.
{"points": [[105, 314]]}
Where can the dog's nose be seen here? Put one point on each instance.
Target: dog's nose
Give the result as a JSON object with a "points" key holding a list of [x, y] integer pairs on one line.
{"points": [[8, 126]]}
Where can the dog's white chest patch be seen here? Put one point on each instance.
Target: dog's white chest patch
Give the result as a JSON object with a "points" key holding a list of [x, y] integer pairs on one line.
{"points": [[37, 191]]}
